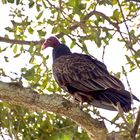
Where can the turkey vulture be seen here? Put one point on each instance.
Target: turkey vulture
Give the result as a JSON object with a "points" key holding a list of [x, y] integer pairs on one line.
{"points": [[87, 79]]}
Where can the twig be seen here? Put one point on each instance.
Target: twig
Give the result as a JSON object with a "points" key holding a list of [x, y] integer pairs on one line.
{"points": [[104, 118], [129, 35], [131, 95], [60, 9], [136, 126], [125, 22], [105, 47], [129, 127], [131, 50], [103, 54], [110, 121], [99, 14], [125, 73]]}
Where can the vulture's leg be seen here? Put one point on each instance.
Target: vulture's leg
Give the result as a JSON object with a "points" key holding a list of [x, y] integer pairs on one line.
{"points": [[78, 98], [75, 98]]}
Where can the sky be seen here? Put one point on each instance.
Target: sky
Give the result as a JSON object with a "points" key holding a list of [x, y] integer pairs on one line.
{"points": [[114, 58]]}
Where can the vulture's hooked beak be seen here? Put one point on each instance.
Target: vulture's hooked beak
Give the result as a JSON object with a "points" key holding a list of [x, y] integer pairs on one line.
{"points": [[45, 45]]}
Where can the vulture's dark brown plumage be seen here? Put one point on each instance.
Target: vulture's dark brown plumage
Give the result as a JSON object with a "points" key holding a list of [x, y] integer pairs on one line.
{"points": [[87, 79]]}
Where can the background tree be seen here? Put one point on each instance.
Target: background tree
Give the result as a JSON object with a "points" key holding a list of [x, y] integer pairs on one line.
{"points": [[32, 105]]}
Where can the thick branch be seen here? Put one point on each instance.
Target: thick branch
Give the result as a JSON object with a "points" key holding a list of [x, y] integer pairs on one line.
{"points": [[17, 95]]}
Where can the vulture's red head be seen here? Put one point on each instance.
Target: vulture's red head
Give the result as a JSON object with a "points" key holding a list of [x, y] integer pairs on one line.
{"points": [[51, 42]]}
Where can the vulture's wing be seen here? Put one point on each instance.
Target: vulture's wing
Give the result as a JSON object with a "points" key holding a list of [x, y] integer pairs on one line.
{"points": [[84, 73]]}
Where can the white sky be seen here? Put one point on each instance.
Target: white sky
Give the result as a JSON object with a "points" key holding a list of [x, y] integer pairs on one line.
{"points": [[114, 58]]}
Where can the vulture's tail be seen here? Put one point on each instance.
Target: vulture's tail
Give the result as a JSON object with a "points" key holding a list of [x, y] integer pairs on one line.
{"points": [[109, 98]]}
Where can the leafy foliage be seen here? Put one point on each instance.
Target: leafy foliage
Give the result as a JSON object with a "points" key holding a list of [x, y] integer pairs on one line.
{"points": [[20, 123], [76, 22]]}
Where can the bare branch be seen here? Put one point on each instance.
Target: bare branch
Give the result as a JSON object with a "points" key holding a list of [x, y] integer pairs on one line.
{"points": [[17, 95]]}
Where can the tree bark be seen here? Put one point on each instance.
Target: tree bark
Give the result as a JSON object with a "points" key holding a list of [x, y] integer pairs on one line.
{"points": [[15, 94]]}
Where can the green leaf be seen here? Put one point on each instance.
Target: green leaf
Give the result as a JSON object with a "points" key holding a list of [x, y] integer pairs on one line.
{"points": [[38, 7], [2, 50], [4, 1], [39, 15], [30, 30], [15, 49], [128, 58], [76, 5], [6, 59], [82, 6], [44, 4], [115, 118], [118, 75], [71, 3], [32, 59], [17, 55], [9, 29], [41, 33], [67, 136], [72, 44], [114, 2], [116, 15], [130, 62], [29, 75], [17, 2], [44, 83], [105, 2], [31, 4], [10, 1]]}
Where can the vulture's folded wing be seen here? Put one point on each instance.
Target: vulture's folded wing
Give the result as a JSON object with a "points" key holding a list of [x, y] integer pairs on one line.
{"points": [[84, 74]]}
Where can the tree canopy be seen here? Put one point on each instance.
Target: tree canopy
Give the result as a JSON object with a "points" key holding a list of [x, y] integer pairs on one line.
{"points": [[32, 105]]}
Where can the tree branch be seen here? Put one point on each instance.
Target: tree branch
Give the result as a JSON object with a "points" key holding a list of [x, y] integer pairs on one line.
{"points": [[14, 94], [20, 42], [102, 15], [127, 28], [136, 126], [61, 34]]}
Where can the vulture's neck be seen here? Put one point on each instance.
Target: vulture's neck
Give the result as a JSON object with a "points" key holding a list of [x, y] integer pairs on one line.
{"points": [[60, 50]]}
